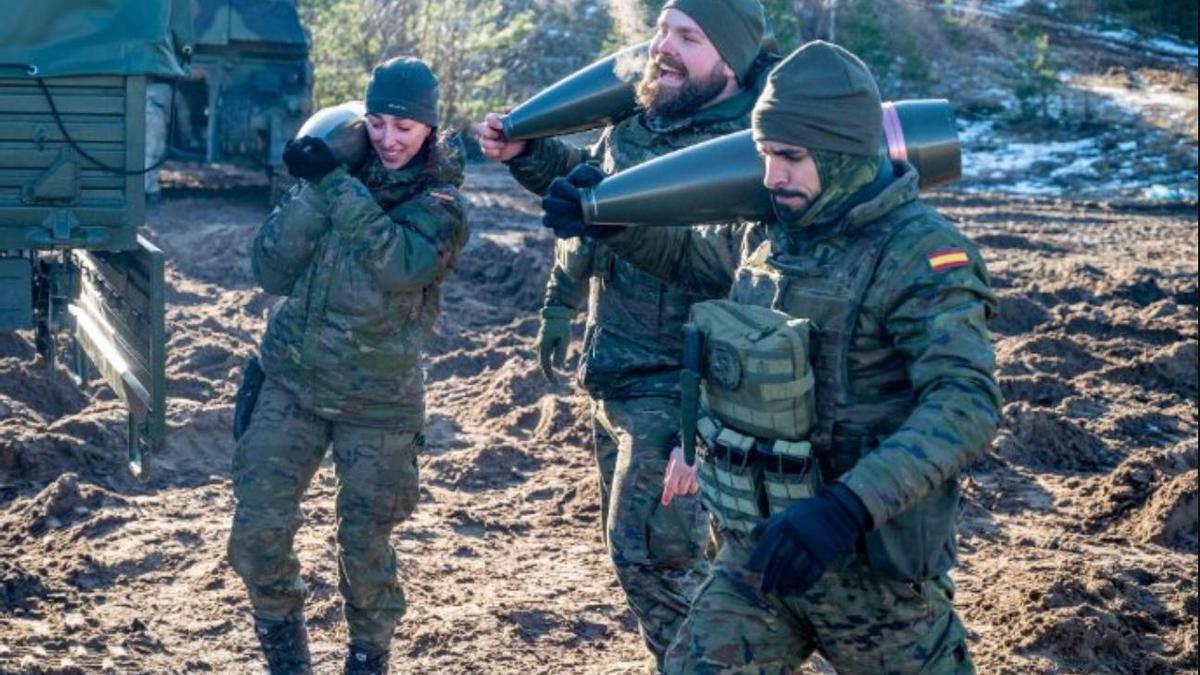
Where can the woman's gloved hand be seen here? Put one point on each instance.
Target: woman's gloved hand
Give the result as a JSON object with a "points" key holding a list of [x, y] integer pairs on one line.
{"points": [[795, 547], [563, 203], [309, 158]]}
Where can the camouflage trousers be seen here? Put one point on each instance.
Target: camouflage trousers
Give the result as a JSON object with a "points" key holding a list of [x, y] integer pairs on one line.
{"points": [[377, 488], [860, 621], [657, 550]]}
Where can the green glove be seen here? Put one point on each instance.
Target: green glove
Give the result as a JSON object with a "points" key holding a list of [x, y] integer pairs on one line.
{"points": [[554, 334]]}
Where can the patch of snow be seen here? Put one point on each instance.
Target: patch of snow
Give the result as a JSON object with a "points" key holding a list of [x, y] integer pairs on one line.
{"points": [[1009, 5], [1174, 47], [1032, 189], [1080, 167], [1139, 100], [1162, 193], [970, 133], [1127, 36], [1018, 156], [1123, 35], [1066, 168]]}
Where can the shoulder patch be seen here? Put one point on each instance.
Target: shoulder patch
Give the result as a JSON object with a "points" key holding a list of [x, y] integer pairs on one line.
{"points": [[441, 195], [947, 259]]}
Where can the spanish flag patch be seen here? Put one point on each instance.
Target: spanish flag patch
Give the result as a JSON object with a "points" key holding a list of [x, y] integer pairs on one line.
{"points": [[948, 259]]}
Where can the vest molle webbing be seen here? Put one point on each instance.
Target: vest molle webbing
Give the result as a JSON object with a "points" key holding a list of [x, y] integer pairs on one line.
{"points": [[756, 372], [743, 480]]}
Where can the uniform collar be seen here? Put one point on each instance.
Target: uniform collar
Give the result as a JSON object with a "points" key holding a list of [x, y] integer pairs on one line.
{"points": [[390, 187], [901, 188]]}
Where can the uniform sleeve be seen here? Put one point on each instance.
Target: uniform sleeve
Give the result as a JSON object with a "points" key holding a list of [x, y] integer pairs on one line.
{"points": [[287, 239], [935, 305], [548, 158], [409, 247], [570, 277], [699, 259]]}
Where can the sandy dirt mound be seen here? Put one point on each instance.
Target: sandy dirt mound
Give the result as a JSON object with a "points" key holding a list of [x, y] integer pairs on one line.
{"points": [[1078, 547], [1080, 615], [1038, 438], [1169, 518]]}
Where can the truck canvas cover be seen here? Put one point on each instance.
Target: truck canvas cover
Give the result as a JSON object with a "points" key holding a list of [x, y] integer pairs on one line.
{"points": [[61, 38], [222, 22]]}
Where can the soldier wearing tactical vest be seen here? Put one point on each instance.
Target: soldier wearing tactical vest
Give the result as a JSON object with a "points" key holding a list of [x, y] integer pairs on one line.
{"points": [[848, 377], [359, 256], [700, 83]]}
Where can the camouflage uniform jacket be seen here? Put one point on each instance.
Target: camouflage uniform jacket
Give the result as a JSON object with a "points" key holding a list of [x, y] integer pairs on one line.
{"points": [[633, 341], [906, 395], [360, 259]]}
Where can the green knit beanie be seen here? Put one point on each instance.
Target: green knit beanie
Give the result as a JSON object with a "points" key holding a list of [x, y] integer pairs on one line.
{"points": [[404, 87], [734, 27], [821, 97]]}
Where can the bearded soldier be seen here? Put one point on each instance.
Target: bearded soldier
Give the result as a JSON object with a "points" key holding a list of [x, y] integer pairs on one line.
{"points": [[848, 378], [699, 83]]}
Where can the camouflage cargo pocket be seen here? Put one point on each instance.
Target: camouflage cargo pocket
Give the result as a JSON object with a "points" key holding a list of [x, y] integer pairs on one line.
{"points": [[674, 533], [408, 490]]}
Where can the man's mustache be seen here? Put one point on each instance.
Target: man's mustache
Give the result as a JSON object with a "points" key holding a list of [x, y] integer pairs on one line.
{"points": [[664, 60]]}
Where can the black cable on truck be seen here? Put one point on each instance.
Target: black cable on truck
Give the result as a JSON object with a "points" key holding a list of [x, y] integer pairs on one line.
{"points": [[32, 71]]}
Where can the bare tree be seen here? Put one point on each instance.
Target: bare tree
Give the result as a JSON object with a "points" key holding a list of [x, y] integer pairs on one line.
{"points": [[817, 19]]}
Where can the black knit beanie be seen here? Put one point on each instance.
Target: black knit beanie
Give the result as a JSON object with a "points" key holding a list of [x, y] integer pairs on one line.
{"points": [[404, 87]]}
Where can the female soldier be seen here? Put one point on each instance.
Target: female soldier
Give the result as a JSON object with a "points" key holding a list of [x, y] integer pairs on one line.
{"points": [[360, 256]]}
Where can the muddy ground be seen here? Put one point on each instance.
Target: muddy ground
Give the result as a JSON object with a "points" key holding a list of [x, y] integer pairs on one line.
{"points": [[1079, 533]]}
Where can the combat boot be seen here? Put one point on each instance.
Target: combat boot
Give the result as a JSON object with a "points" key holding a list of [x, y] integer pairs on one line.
{"points": [[366, 661], [285, 644]]}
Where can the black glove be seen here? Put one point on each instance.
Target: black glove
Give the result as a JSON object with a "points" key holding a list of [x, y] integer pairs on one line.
{"points": [[795, 547], [309, 158], [563, 203]]}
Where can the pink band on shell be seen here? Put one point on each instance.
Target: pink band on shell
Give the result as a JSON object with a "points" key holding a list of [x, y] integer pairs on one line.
{"points": [[894, 133]]}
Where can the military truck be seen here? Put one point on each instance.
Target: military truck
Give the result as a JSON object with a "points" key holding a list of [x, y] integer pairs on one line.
{"points": [[73, 77], [250, 86]]}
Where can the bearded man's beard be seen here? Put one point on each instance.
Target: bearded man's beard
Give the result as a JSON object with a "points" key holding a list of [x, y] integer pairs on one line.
{"points": [[673, 103], [790, 215]]}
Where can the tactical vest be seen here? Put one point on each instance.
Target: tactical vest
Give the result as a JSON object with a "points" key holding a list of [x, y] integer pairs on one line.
{"points": [[829, 291]]}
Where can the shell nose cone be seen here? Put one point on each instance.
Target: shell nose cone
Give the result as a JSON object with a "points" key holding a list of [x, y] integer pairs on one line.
{"points": [[716, 181], [343, 129], [594, 96]]}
